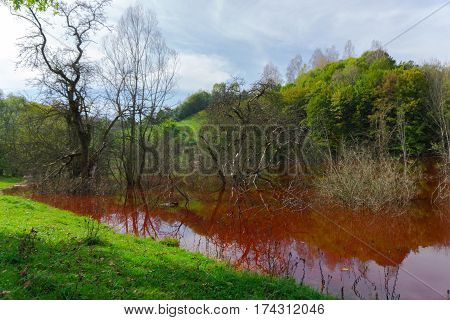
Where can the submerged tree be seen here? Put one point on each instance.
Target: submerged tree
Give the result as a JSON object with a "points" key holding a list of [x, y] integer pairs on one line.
{"points": [[139, 75], [438, 80], [66, 75], [253, 136]]}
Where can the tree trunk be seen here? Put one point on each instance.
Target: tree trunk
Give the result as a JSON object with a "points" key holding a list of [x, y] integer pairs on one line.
{"points": [[84, 167]]}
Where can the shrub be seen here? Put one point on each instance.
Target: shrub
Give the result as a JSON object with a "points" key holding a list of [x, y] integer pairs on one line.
{"points": [[92, 232], [27, 244], [441, 194], [358, 180], [170, 242]]}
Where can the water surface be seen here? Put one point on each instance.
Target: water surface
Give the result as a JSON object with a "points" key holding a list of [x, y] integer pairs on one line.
{"points": [[347, 254]]}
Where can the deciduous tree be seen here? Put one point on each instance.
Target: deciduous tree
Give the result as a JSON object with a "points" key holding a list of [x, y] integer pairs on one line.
{"points": [[139, 75], [271, 74], [294, 68], [349, 50], [66, 74]]}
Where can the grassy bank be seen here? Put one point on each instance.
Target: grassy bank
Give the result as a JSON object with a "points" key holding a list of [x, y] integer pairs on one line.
{"points": [[48, 253], [6, 182]]}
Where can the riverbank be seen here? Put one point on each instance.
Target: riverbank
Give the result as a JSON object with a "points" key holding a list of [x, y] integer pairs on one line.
{"points": [[49, 253], [6, 182]]}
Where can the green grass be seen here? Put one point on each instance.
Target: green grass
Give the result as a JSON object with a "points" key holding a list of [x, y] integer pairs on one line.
{"points": [[6, 182], [47, 253], [195, 121]]}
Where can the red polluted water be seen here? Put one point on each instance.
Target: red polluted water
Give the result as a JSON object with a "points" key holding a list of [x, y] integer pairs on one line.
{"points": [[346, 254]]}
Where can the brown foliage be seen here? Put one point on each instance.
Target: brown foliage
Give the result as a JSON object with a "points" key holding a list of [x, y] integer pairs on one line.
{"points": [[360, 181]]}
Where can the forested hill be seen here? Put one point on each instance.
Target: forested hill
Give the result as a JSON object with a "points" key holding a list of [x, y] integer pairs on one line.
{"points": [[364, 100], [370, 100]]}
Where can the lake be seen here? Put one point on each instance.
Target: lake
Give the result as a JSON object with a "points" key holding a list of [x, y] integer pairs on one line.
{"points": [[352, 255]]}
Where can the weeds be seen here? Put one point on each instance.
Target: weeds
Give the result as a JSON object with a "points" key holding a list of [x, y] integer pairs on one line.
{"points": [[170, 242], [442, 192], [27, 244], [92, 232], [360, 181]]}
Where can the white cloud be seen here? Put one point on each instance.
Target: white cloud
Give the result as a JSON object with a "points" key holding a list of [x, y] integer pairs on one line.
{"points": [[251, 33], [217, 38], [12, 79], [200, 71]]}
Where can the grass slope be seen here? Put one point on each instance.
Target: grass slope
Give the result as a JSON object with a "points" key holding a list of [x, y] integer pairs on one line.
{"points": [[6, 182], [46, 253], [195, 121]]}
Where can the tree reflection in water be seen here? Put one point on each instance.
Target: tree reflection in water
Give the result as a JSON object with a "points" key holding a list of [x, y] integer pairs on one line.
{"points": [[356, 255]]}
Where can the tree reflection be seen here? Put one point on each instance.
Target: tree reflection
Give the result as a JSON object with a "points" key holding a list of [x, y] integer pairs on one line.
{"points": [[353, 256]]}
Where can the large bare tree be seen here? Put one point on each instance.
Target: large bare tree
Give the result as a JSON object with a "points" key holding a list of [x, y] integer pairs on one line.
{"points": [[250, 134], [66, 74], [139, 74]]}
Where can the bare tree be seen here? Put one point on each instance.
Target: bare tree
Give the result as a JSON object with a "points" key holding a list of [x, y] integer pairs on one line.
{"points": [[252, 134], [349, 50], [320, 59], [332, 54], [294, 68], [378, 49], [402, 138], [271, 74], [376, 45], [438, 79], [66, 74], [139, 76]]}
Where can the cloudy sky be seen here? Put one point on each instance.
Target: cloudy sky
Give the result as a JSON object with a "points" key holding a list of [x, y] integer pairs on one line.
{"points": [[218, 39]]}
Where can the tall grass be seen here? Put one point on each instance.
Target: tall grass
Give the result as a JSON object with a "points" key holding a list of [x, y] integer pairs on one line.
{"points": [[441, 194], [359, 180]]}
